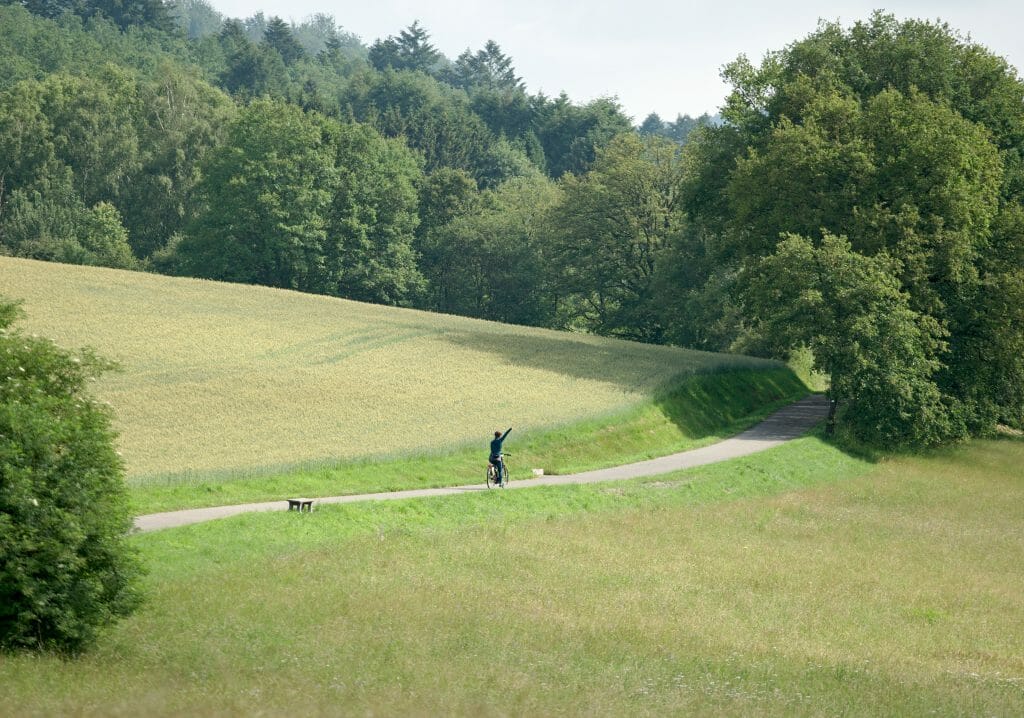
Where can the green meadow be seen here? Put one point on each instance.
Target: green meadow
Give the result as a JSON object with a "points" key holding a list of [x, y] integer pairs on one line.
{"points": [[801, 581]]}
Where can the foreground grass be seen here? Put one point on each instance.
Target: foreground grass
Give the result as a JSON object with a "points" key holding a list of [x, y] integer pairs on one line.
{"points": [[700, 410], [800, 581], [226, 377]]}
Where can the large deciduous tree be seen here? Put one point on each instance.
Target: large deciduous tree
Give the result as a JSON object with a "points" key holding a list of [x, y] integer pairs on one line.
{"points": [[296, 200], [69, 147], [266, 193], [880, 355], [184, 118], [571, 134], [368, 251], [610, 234], [487, 261], [907, 140]]}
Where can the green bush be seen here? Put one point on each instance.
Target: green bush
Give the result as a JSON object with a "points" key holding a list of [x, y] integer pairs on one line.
{"points": [[66, 569]]}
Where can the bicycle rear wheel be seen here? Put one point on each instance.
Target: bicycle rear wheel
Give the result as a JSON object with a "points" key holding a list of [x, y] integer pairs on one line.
{"points": [[492, 476]]}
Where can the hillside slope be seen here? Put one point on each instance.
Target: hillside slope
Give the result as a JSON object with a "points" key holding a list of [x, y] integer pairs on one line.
{"points": [[222, 377]]}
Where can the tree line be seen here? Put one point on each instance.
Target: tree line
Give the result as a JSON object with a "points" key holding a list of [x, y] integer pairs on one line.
{"points": [[860, 195]]}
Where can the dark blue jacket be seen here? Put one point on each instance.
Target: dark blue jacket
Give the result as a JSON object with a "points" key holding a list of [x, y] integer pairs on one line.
{"points": [[496, 443]]}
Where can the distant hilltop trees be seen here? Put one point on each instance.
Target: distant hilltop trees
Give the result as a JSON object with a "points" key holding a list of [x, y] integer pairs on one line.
{"points": [[680, 129]]}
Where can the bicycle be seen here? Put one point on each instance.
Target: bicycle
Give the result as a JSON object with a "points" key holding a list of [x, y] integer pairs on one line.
{"points": [[493, 479]]}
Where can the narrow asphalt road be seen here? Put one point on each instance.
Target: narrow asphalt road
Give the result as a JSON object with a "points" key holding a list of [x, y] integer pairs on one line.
{"points": [[782, 426]]}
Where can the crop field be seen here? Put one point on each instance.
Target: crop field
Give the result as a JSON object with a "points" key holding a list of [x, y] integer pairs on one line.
{"points": [[799, 581], [230, 378]]}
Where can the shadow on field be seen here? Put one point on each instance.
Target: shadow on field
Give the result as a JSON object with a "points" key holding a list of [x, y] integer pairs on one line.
{"points": [[704, 404], [627, 366], [710, 392]]}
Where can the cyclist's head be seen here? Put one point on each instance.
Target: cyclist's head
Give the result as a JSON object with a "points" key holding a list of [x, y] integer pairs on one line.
{"points": [[497, 435]]}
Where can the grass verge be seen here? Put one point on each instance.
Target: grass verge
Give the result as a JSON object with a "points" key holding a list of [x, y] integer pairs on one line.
{"points": [[799, 581], [702, 409]]}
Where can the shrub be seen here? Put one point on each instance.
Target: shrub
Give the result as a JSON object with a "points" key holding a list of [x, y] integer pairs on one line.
{"points": [[66, 569]]}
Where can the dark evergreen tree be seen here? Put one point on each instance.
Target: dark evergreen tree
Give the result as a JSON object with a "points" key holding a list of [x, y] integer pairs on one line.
{"points": [[411, 50], [250, 69], [488, 68], [572, 134], [278, 35]]}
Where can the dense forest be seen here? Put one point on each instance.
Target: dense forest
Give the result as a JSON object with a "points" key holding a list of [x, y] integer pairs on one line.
{"points": [[861, 195]]}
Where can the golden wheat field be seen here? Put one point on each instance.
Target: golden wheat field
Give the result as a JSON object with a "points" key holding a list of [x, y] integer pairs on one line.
{"points": [[231, 378]]}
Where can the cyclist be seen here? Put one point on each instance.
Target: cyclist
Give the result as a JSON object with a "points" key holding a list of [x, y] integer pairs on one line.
{"points": [[495, 457]]}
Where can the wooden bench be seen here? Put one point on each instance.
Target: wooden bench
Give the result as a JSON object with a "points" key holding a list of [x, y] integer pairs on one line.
{"points": [[300, 505]]}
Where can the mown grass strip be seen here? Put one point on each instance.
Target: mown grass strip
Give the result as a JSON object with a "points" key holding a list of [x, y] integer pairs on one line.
{"points": [[702, 409]]}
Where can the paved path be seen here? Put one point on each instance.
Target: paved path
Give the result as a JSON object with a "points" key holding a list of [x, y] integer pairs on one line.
{"points": [[786, 424]]}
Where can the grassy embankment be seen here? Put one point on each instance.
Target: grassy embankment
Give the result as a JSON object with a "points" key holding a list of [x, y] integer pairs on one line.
{"points": [[799, 581], [232, 393], [702, 410]]}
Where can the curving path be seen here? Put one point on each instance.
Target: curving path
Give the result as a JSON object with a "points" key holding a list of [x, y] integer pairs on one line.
{"points": [[784, 425]]}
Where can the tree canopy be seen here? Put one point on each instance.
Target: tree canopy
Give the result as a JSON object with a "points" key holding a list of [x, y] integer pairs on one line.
{"points": [[897, 136]]}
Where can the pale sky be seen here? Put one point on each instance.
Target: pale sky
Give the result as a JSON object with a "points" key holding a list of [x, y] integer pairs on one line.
{"points": [[659, 56]]}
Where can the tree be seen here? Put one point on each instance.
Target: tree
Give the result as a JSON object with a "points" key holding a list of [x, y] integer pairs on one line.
{"points": [[444, 195], [319, 33], [184, 119], [880, 355], [250, 69], [611, 231], [43, 220], [93, 129], [679, 130], [432, 118], [197, 18], [50, 222], [278, 35], [572, 135], [124, 13], [266, 194], [296, 200], [899, 136], [105, 240], [488, 68], [372, 218], [496, 93], [487, 261], [652, 125], [66, 569], [411, 50], [116, 139]]}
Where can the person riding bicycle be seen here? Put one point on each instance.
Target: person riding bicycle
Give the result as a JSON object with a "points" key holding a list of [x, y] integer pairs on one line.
{"points": [[495, 457]]}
